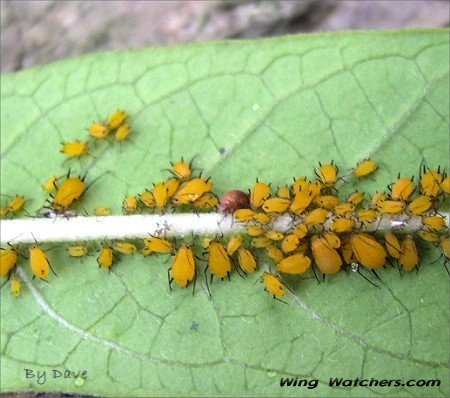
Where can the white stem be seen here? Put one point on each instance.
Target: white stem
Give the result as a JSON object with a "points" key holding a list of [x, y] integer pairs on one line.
{"points": [[140, 226]]}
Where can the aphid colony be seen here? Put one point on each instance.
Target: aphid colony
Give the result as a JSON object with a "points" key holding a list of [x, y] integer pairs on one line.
{"points": [[326, 234]]}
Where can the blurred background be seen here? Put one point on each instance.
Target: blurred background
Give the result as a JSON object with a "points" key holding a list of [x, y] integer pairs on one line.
{"points": [[38, 32]]}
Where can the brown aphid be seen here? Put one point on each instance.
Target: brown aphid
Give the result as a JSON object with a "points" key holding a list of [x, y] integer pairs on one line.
{"points": [[234, 200]]}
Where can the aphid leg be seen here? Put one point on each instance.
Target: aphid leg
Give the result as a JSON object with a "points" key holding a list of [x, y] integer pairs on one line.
{"points": [[376, 275], [284, 302], [373, 284], [315, 275], [195, 281], [51, 268]]}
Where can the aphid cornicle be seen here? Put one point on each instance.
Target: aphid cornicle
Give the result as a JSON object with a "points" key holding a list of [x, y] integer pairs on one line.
{"points": [[39, 263], [365, 168], [130, 204], [246, 261], [325, 255], [8, 260], [192, 190], [183, 267], [116, 119], [368, 251], [105, 259], [98, 131], [234, 200], [74, 149], [273, 285], [219, 262], [409, 258], [295, 265], [259, 194], [15, 287]]}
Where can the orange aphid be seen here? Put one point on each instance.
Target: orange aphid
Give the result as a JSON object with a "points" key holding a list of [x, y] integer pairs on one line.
{"points": [[325, 256], [368, 251]]}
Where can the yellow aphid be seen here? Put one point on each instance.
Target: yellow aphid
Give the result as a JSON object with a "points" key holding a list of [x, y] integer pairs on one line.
{"points": [[261, 242], [294, 265], [327, 174], [332, 239], [74, 149], [315, 189], [130, 204], [182, 170], [219, 263], [244, 215], [377, 199], [259, 194], [429, 236], [325, 256], [301, 202], [445, 247], [98, 131], [105, 259], [391, 207], [367, 215], [409, 259], [192, 190], [50, 184], [445, 186], [160, 195], [246, 261], [290, 243], [316, 217], [116, 119], [183, 267], [102, 211], [15, 287], [157, 245], [234, 244], [207, 202], [4, 211], [274, 235], [434, 222], [39, 263], [300, 185], [262, 218], [147, 199], [393, 245], [430, 182], [276, 205], [71, 190], [365, 168], [344, 209], [284, 192], [172, 186], [8, 260], [77, 251], [122, 133], [402, 189], [342, 225], [328, 202], [125, 247], [275, 254], [347, 253], [356, 198], [206, 242], [368, 251], [273, 285], [420, 205], [254, 231], [301, 231], [16, 204]]}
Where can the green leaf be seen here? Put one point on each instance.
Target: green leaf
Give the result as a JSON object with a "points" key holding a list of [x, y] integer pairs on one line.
{"points": [[269, 109]]}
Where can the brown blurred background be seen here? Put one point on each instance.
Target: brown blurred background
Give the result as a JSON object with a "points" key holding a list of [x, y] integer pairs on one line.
{"points": [[38, 32]]}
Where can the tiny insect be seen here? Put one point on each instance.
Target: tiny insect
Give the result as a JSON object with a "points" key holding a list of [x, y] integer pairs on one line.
{"points": [[420, 205], [98, 131], [393, 246], [50, 184], [274, 286], [284, 192], [391, 207], [276, 205], [208, 201], [160, 195], [367, 215], [294, 265], [74, 149], [39, 263], [402, 189], [147, 199], [157, 245], [409, 258], [342, 225], [172, 186], [15, 287], [290, 243], [316, 217], [445, 247], [368, 251], [300, 185], [234, 200], [122, 133], [182, 170], [244, 215], [274, 235], [261, 242], [356, 198], [259, 195], [328, 202], [344, 209], [192, 190], [116, 119], [77, 251], [219, 262], [130, 204], [8, 260], [434, 222], [234, 244], [315, 189], [301, 202], [102, 211], [365, 168], [275, 254], [429, 236], [246, 261], [71, 190], [325, 255], [327, 174], [332, 239], [105, 259], [124, 247], [445, 186], [301, 231], [254, 231], [16, 204], [377, 199], [262, 218], [430, 182]]}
